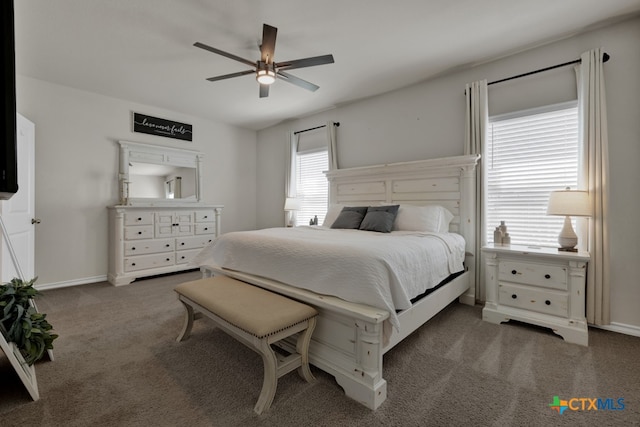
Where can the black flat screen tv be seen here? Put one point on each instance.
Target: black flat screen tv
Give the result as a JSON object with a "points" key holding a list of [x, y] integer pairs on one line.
{"points": [[8, 148]]}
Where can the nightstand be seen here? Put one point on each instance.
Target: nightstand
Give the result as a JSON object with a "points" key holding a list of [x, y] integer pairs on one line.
{"points": [[541, 286]]}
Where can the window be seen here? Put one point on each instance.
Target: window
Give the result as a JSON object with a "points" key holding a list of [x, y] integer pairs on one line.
{"points": [[529, 154], [312, 186]]}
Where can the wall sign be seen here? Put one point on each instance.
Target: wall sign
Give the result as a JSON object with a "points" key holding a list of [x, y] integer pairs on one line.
{"points": [[161, 127]]}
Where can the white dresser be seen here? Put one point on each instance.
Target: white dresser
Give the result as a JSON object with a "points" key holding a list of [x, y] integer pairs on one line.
{"points": [[541, 286], [151, 240]]}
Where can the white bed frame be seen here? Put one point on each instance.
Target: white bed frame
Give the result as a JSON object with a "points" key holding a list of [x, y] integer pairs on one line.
{"points": [[348, 339]]}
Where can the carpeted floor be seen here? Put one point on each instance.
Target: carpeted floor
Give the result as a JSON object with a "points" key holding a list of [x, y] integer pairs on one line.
{"points": [[117, 364]]}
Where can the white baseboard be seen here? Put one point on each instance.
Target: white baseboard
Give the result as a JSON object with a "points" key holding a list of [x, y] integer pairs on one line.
{"points": [[620, 328], [68, 283]]}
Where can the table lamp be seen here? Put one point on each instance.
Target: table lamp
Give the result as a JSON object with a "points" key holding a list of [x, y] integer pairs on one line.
{"points": [[291, 204], [568, 203]]}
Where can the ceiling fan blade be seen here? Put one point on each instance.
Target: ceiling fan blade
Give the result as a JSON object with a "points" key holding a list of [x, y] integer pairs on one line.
{"points": [[268, 46], [229, 76], [264, 91], [306, 62], [298, 81], [223, 53]]}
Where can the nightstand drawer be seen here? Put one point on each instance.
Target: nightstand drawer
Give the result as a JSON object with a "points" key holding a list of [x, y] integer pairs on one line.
{"points": [[549, 276], [532, 299]]}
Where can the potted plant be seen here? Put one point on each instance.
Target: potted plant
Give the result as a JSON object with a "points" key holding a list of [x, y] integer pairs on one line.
{"points": [[21, 323]]}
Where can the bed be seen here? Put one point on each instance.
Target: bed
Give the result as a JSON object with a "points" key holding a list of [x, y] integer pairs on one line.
{"points": [[355, 329]]}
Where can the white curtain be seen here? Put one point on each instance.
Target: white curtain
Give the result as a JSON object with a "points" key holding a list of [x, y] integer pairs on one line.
{"points": [[332, 145], [477, 120], [290, 190], [594, 177]]}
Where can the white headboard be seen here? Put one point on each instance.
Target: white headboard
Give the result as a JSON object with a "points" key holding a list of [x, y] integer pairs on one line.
{"points": [[448, 181]]}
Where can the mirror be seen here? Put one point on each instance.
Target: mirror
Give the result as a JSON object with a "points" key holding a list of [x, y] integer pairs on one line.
{"points": [[154, 173]]}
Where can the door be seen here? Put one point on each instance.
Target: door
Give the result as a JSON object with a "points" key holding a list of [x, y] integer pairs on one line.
{"points": [[18, 212]]}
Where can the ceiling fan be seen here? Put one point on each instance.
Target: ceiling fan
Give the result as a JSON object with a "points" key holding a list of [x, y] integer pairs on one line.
{"points": [[265, 69]]}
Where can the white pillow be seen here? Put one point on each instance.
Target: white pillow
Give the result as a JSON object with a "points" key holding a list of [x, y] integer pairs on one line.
{"points": [[332, 214], [432, 218]]}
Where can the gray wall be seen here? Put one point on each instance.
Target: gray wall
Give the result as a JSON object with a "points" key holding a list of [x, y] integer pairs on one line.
{"points": [[427, 121], [76, 156]]}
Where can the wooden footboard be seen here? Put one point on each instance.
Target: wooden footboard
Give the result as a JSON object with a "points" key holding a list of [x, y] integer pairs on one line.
{"points": [[348, 341]]}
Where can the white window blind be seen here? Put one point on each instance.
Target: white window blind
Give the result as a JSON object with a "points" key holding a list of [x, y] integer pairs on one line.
{"points": [[312, 185], [529, 154]]}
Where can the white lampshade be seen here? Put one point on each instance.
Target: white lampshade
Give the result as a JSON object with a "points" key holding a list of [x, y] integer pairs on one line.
{"points": [[569, 202], [291, 204]]}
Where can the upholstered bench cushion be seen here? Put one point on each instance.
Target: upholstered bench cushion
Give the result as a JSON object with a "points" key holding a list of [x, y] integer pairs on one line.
{"points": [[254, 310]]}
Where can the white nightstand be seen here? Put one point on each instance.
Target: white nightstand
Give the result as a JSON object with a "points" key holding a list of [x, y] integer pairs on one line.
{"points": [[541, 286]]}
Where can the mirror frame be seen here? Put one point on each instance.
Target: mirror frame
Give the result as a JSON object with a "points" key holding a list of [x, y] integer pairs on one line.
{"points": [[158, 155]]}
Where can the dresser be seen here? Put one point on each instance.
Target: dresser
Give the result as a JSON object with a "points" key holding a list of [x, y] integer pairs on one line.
{"points": [[540, 286], [150, 240]]}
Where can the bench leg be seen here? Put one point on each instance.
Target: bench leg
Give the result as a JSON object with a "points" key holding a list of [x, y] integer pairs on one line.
{"points": [[188, 322], [270, 382], [302, 348]]}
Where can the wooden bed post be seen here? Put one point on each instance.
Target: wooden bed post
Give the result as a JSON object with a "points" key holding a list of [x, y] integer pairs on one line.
{"points": [[468, 226]]}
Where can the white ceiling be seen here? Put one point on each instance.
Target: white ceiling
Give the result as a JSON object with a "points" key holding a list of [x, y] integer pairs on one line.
{"points": [[142, 50]]}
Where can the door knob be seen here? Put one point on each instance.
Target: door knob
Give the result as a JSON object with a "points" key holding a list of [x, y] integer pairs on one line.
{"points": [[35, 221]]}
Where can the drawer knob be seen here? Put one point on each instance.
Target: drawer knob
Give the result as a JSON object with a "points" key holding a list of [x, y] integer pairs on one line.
{"points": [[139, 232], [206, 216], [205, 229], [139, 219], [182, 257], [547, 302], [168, 259], [514, 272], [514, 296], [209, 240], [547, 276], [133, 263], [167, 245], [133, 248], [182, 244]]}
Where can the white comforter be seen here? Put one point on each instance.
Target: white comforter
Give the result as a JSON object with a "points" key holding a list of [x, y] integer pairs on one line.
{"points": [[383, 270]]}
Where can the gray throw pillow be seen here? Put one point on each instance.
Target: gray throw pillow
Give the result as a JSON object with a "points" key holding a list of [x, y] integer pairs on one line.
{"points": [[379, 218], [350, 217]]}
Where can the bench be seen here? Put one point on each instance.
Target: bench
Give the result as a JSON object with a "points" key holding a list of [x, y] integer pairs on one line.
{"points": [[256, 318]]}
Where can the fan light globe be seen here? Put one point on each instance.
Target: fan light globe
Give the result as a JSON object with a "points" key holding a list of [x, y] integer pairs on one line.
{"points": [[265, 77]]}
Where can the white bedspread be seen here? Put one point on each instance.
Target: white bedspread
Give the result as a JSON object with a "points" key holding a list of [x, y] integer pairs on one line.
{"points": [[384, 270]]}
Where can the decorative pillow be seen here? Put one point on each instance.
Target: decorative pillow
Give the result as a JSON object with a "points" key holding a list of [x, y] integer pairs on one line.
{"points": [[332, 214], [432, 218], [379, 218], [350, 217]]}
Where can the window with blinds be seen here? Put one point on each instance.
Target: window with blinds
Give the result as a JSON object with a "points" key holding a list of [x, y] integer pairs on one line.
{"points": [[529, 154], [312, 186]]}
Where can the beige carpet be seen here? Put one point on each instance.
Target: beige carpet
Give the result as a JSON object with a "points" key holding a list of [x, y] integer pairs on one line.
{"points": [[117, 364]]}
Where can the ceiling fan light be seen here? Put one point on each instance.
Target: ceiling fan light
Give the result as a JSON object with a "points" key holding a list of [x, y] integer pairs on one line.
{"points": [[266, 77]]}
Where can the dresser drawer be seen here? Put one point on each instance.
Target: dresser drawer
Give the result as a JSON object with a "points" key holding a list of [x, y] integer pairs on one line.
{"points": [[139, 218], [531, 299], [138, 232], [205, 228], [196, 242], [149, 247], [549, 276], [205, 216], [183, 257], [144, 262], [184, 217]]}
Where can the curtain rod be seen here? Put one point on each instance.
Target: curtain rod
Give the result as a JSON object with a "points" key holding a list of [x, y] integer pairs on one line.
{"points": [[317, 127], [605, 58]]}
